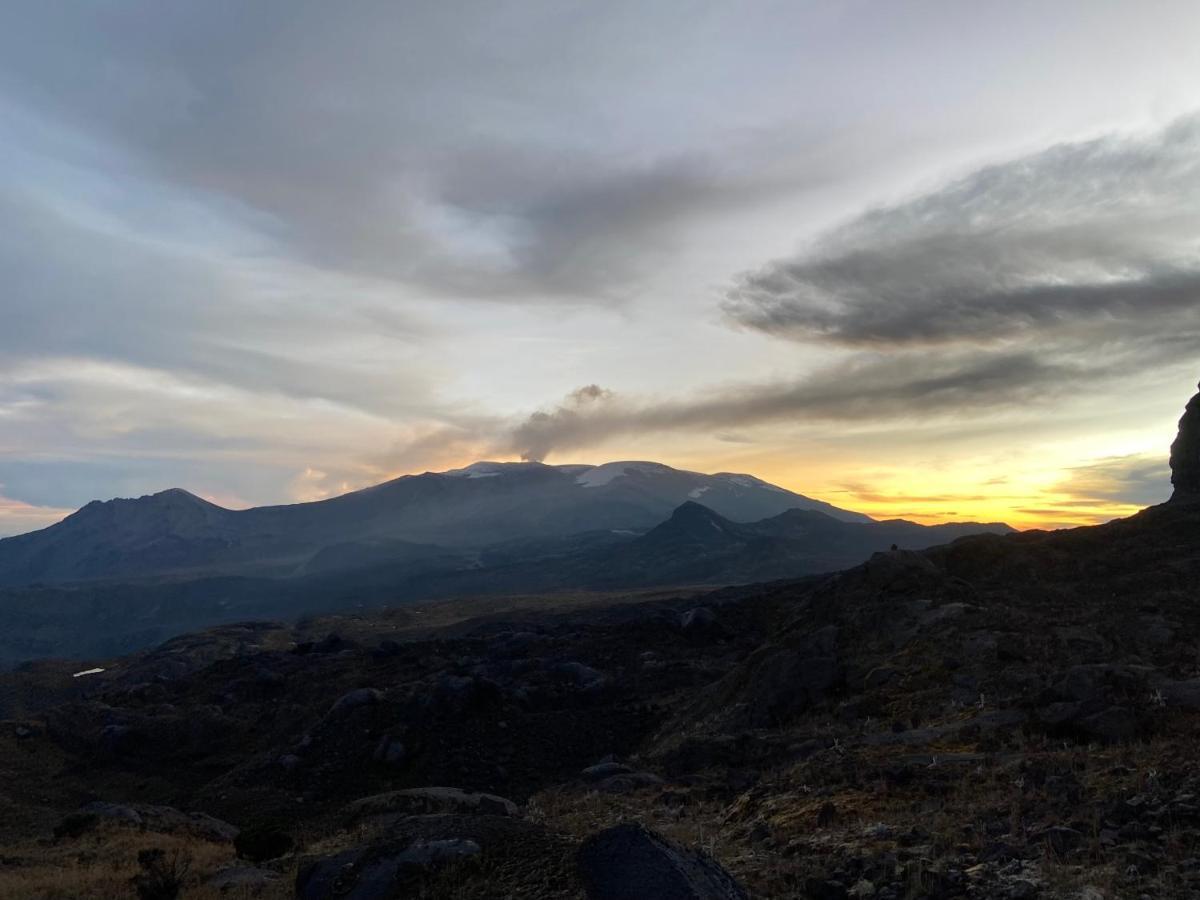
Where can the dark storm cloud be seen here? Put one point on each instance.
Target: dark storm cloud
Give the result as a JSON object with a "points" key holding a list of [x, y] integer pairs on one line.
{"points": [[1097, 235]]}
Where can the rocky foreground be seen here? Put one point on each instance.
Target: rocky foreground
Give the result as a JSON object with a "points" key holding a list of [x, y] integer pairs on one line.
{"points": [[1005, 716]]}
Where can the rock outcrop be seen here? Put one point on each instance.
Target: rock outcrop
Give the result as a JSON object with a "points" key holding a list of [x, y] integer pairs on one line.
{"points": [[629, 862], [1185, 455], [429, 801]]}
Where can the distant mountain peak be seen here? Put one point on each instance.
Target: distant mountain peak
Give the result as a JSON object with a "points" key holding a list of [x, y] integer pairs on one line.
{"points": [[474, 506], [177, 497], [175, 493], [690, 510], [169, 495], [698, 522]]}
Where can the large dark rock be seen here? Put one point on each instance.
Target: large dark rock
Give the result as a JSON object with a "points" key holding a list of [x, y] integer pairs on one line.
{"points": [[700, 624], [630, 862], [1185, 455], [247, 880], [427, 801], [355, 699], [415, 850], [781, 681], [628, 782], [262, 842], [606, 769], [1096, 702], [379, 872], [147, 817]]}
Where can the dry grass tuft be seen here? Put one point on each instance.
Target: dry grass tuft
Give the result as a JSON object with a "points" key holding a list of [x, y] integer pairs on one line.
{"points": [[103, 864]]}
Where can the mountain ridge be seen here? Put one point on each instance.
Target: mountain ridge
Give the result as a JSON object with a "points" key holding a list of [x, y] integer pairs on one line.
{"points": [[1010, 688], [174, 531], [693, 546]]}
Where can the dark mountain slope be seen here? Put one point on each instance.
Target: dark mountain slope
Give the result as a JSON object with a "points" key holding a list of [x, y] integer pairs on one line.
{"points": [[697, 546], [169, 530], [694, 546], [1016, 689], [175, 533]]}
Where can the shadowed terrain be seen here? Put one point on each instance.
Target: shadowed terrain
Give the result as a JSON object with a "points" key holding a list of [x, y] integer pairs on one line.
{"points": [[1001, 716], [124, 575]]}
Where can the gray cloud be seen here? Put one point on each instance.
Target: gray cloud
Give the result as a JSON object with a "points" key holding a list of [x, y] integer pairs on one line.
{"points": [[84, 289], [967, 388], [867, 388], [245, 241], [400, 142], [1103, 234]]}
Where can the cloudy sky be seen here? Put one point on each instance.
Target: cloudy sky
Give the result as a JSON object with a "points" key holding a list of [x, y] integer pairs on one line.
{"points": [[932, 259]]}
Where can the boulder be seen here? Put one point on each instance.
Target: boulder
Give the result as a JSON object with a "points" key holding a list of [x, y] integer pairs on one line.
{"points": [[161, 819], [262, 842], [1061, 839], [331, 643], [896, 571], [628, 782], [290, 762], [201, 825], [116, 813], [1185, 694], [824, 889], [700, 624], [389, 751], [355, 699], [607, 768], [603, 770], [778, 683], [1111, 725], [429, 800], [386, 649], [1104, 683], [242, 880], [630, 862], [377, 872], [579, 674], [880, 676]]}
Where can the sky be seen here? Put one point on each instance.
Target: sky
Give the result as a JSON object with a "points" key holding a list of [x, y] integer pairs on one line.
{"points": [[924, 259]]}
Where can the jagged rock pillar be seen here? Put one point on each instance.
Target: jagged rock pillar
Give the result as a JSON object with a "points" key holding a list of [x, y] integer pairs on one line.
{"points": [[1185, 455]]}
